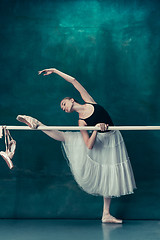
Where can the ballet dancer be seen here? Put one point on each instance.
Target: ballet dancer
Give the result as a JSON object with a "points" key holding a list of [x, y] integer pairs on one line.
{"points": [[98, 161]]}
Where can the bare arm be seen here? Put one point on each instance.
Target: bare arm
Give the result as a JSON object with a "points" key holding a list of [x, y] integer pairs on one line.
{"points": [[89, 141], [84, 94]]}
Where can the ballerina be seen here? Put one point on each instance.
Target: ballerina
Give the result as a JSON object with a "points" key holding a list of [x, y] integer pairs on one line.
{"points": [[98, 161]]}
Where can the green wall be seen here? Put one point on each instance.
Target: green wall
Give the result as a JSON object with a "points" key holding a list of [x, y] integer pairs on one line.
{"points": [[113, 49]]}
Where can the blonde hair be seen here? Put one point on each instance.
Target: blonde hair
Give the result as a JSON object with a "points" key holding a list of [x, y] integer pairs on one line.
{"points": [[69, 98]]}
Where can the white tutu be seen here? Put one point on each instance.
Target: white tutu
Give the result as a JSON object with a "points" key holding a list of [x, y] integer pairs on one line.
{"points": [[105, 169]]}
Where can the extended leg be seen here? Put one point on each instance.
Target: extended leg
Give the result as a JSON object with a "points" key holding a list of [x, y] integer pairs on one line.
{"points": [[55, 134], [34, 123]]}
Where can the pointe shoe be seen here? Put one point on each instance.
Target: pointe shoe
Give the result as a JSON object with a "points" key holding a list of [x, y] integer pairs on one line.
{"points": [[107, 218], [31, 122], [7, 159], [10, 148]]}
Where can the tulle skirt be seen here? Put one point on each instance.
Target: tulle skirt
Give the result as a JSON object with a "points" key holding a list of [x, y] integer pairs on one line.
{"points": [[105, 169]]}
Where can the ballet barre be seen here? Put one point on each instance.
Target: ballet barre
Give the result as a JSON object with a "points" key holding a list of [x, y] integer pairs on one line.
{"points": [[78, 128]]}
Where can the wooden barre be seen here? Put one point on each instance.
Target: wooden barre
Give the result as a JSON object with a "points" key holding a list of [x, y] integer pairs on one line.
{"points": [[74, 128]]}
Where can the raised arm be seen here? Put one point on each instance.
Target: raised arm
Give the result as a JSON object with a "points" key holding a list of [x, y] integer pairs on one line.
{"points": [[84, 94]]}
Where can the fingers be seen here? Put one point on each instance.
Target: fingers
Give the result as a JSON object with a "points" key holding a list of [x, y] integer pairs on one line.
{"points": [[45, 71], [39, 72], [103, 127]]}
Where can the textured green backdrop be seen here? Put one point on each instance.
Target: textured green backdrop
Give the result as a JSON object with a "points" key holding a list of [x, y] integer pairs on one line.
{"points": [[113, 49]]}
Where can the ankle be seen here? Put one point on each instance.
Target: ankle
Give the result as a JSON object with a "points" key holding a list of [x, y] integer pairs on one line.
{"points": [[40, 124], [106, 212]]}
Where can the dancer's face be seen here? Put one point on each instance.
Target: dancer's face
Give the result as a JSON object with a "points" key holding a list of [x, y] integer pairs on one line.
{"points": [[67, 104]]}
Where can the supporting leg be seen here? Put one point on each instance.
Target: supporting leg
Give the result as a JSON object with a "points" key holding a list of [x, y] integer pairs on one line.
{"points": [[106, 217], [106, 205]]}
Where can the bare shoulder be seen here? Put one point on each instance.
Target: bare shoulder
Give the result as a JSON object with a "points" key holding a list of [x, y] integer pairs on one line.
{"points": [[92, 101], [81, 122]]}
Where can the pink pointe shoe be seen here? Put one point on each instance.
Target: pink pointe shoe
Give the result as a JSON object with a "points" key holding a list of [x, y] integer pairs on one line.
{"points": [[10, 148], [107, 218], [7, 159], [31, 122]]}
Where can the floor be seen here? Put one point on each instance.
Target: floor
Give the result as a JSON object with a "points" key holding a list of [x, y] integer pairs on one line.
{"points": [[78, 230]]}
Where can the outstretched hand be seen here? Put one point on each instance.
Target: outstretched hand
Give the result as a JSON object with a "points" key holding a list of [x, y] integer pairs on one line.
{"points": [[46, 71]]}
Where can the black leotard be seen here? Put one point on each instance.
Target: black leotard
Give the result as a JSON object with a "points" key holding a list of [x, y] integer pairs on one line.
{"points": [[100, 115]]}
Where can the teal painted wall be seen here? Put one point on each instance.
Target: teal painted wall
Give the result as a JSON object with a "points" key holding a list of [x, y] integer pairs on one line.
{"points": [[113, 49]]}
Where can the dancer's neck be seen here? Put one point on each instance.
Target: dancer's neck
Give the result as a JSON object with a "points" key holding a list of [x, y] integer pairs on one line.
{"points": [[79, 108]]}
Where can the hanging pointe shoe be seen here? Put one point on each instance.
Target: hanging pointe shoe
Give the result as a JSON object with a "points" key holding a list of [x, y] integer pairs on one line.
{"points": [[107, 218], [7, 159], [10, 148], [31, 122]]}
